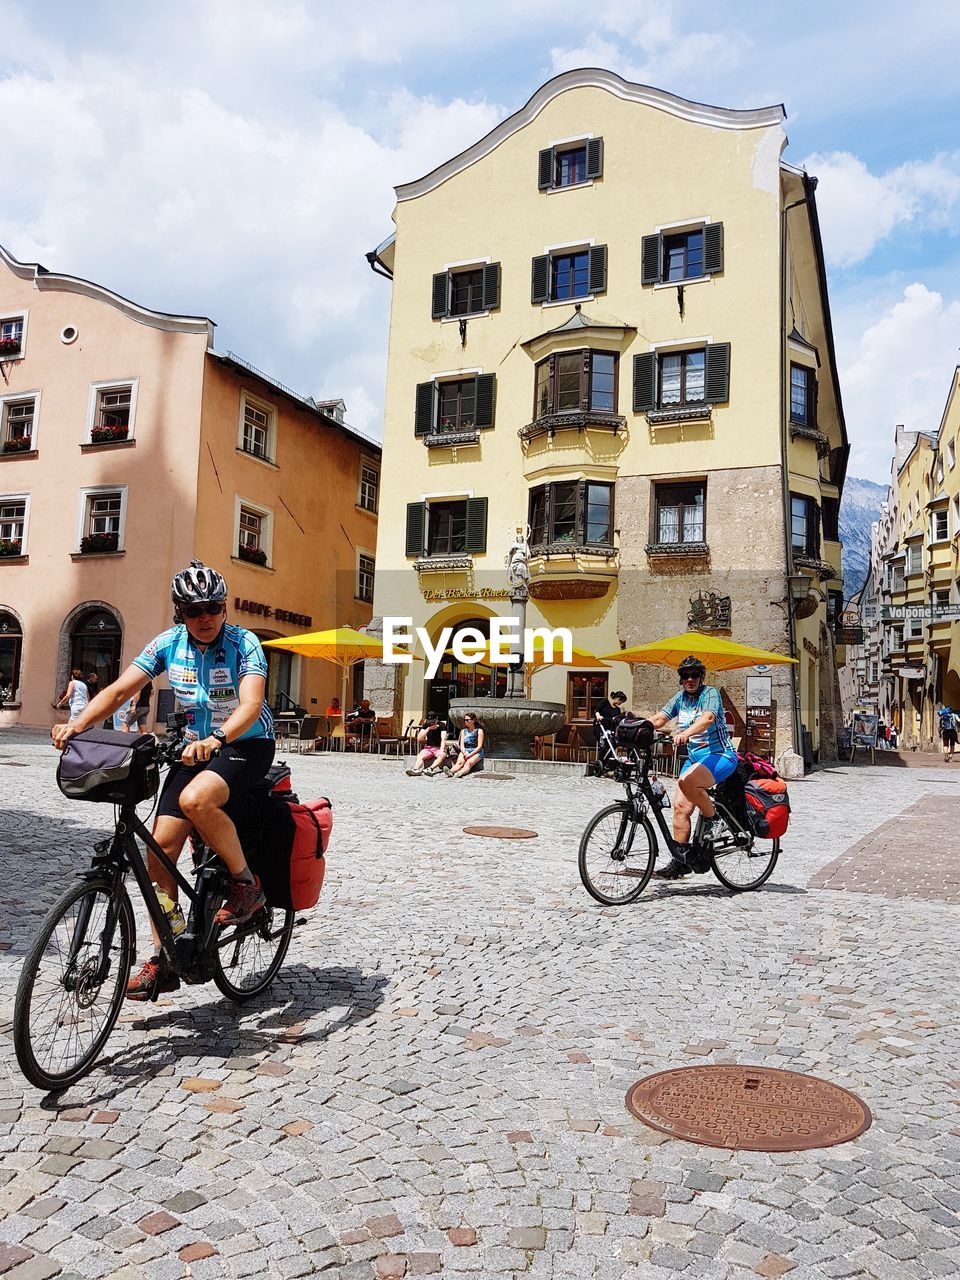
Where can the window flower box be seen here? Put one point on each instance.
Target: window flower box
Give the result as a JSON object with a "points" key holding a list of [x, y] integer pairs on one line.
{"points": [[107, 435], [254, 555], [19, 444], [99, 543], [10, 546], [9, 347]]}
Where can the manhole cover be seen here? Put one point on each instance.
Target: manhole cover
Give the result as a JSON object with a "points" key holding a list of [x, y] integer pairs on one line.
{"points": [[748, 1108], [501, 833]]}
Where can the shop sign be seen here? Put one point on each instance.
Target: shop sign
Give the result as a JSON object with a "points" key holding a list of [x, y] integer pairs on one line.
{"points": [[267, 611], [759, 691], [464, 593], [811, 648], [849, 635], [865, 729], [918, 612], [910, 673]]}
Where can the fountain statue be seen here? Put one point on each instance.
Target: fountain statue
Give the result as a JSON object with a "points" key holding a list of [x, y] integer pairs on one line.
{"points": [[513, 721]]}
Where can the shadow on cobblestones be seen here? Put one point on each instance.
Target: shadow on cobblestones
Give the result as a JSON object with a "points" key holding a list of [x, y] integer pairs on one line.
{"points": [[659, 892], [221, 1029]]}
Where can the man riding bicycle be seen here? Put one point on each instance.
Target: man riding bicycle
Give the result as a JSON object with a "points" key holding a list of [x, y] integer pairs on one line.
{"points": [[698, 710], [218, 673]]}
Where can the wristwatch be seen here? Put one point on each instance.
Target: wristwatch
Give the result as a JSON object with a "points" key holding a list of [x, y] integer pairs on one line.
{"points": [[220, 736]]}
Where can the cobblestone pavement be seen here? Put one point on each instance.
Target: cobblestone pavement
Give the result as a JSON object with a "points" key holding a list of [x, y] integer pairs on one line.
{"points": [[887, 862], [436, 1082]]}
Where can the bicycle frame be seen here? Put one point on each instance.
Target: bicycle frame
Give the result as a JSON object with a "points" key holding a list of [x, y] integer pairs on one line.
{"points": [[186, 951]]}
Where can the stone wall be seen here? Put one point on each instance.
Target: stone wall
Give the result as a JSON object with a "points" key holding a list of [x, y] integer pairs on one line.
{"points": [[746, 560]]}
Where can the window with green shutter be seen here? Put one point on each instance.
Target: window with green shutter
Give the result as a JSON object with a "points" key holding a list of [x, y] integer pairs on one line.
{"points": [[571, 164], [568, 275], [416, 528], [466, 292], [674, 257], [693, 379]]}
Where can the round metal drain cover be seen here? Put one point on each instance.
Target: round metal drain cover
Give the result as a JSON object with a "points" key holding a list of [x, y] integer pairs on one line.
{"points": [[501, 833], [748, 1108]]}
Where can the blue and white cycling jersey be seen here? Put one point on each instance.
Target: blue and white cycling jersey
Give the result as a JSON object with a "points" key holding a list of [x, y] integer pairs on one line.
{"points": [[714, 740], [207, 683]]}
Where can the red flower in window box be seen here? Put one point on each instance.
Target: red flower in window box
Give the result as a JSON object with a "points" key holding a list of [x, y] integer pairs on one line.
{"points": [[101, 542], [10, 346], [255, 555], [19, 444], [104, 435], [10, 546]]}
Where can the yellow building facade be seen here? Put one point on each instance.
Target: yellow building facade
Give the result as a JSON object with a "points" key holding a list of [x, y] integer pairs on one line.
{"points": [[610, 327], [922, 615]]}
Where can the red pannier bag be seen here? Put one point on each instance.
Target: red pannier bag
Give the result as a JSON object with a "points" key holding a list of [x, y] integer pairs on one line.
{"points": [[288, 853], [768, 806]]}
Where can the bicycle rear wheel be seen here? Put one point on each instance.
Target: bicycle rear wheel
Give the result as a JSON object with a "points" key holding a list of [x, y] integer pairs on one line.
{"points": [[740, 860], [248, 956], [72, 983], [617, 855]]}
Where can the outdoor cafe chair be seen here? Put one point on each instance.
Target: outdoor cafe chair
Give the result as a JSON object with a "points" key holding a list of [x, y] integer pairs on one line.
{"points": [[388, 740], [306, 733]]}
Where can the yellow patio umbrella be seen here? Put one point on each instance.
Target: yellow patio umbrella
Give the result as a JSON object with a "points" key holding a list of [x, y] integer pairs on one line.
{"points": [[716, 653], [343, 646]]}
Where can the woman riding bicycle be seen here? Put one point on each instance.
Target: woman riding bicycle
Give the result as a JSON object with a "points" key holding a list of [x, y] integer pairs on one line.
{"points": [[218, 673], [711, 757]]}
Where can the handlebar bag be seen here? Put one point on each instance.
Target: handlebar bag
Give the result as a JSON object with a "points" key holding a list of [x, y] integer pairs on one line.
{"points": [[634, 732], [109, 767]]}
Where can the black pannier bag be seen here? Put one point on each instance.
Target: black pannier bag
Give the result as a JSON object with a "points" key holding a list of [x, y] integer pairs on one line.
{"points": [[109, 767], [634, 732]]}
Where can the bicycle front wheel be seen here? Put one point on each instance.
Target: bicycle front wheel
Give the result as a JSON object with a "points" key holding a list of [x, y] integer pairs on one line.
{"points": [[741, 860], [249, 955], [72, 984], [617, 855]]}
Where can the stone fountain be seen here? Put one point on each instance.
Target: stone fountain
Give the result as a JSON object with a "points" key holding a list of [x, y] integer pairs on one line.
{"points": [[512, 722]]}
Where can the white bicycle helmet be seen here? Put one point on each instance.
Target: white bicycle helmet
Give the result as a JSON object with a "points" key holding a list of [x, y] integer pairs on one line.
{"points": [[197, 584]]}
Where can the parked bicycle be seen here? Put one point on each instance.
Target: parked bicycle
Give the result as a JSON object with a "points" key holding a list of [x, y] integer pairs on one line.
{"points": [[618, 849], [74, 977]]}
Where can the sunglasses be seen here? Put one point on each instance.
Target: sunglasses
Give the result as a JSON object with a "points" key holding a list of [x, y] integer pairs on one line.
{"points": [[194, 611]]}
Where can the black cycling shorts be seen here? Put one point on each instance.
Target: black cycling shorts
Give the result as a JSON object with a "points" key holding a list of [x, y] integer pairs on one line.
{"points": [[239, 764]]}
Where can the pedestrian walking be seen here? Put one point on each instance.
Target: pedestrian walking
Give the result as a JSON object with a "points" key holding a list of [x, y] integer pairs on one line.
{"points": [[76, 695], [949, 722]]}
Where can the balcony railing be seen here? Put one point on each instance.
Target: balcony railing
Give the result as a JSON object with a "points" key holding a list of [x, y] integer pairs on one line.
{"points": [[579, 420]]}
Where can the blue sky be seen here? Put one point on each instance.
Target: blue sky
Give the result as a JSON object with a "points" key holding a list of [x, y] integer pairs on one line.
{"points": [[237, 159]]}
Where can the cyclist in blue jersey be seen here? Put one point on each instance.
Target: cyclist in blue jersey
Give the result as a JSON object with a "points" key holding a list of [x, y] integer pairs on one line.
{"points": [[711, 757], [218, 672]]}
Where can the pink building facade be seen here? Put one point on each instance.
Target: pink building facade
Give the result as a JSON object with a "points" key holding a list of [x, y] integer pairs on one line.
{"points": [[127, 445]]}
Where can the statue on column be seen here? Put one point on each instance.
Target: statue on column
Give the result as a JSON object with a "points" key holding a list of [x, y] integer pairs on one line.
{"points": [[518, 562]]}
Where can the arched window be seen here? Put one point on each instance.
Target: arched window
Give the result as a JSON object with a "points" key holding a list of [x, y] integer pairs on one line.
{"points": [[95, 644], [11, 649]]}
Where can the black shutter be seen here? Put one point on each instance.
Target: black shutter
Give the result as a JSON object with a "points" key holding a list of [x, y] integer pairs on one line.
{"points": [[476, 536], [416, 528], [718, 372], [585, 382], [545, 180], [645, 382], [597, 273], [813, 394], [813, 516], [712, 248], [491, 287], [426, 395], [540, 279], [441, 295], [652, 257], [594, 157], [485, 396]]}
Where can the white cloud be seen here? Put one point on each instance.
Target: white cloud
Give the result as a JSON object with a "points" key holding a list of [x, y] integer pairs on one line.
{"points": [[188, 204], [859, 209], [898, 371]]}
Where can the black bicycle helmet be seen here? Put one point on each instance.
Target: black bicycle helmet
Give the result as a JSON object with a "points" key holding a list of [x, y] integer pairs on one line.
{"points": [[197, 584], [691, 667]]}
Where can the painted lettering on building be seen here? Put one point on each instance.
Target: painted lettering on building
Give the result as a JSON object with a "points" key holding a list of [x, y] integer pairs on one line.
{"points": [[464, 593], [267, 611]]}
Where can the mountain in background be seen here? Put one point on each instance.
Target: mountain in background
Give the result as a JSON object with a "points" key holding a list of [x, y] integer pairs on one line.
{"points": [[859, 508]]}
